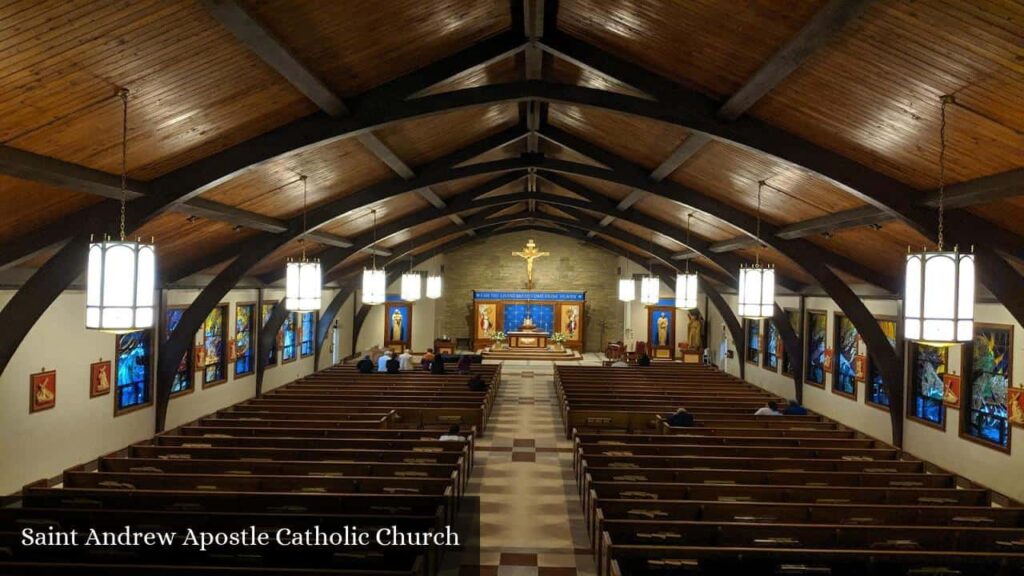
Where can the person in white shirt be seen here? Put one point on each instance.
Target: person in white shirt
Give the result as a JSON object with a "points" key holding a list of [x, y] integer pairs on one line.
{"points": [[772, 409], [405, 360], [620, 364], [453, 435], [382, 362]]}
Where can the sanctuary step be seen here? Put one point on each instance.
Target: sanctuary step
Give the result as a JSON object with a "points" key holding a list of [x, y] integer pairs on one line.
{"points": [[530, 354]]}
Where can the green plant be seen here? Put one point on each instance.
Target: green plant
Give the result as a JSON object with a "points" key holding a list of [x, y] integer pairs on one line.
{"points": [[499, 336], [558, 337]]}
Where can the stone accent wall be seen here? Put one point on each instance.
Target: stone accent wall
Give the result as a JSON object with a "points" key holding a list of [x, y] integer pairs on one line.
{"points": [[488, 264]]}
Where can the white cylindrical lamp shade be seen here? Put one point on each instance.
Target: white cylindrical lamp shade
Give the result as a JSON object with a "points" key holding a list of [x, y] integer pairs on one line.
{"points": [[411, 287], [433, 286], [627, 289], [686, 291], [938, 305], [374, 286], [120, 286], [303, 286], [757, 292], [650, 290]]}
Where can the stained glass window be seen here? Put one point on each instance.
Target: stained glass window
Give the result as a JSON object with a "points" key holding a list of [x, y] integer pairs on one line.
{"points": [[878, 393], [771, 345], [244, 350], [844, 381], [133, 358], [817, 324], [307, 333], [288, 337], [928, 364], [988, 371], [215, 367], [268, 309], [753, 340], [183, 377], [794, 321]]}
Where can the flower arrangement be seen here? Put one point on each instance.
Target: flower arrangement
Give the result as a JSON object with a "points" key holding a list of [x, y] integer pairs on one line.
{"points": [[499, 336], [559, 337]]}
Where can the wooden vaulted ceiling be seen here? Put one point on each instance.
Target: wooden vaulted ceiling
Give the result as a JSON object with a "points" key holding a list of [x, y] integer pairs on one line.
{"points": [[870, 94]]}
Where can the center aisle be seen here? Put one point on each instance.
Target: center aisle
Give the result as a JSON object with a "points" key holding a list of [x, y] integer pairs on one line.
{"points": [[531, 521]]}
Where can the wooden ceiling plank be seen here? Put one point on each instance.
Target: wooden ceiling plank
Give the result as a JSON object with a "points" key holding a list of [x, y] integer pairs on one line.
{"points": [[822, 28]]}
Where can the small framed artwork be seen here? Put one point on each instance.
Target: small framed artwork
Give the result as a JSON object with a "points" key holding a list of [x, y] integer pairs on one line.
{"points": [[231, 350], [828, 360], [859, 367], [951, 395], [99, 378], [199, 354], [1015, 402], [42, 390]]}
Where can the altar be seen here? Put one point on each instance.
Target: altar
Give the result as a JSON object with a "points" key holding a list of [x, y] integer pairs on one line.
{"points": [[522, 339]]}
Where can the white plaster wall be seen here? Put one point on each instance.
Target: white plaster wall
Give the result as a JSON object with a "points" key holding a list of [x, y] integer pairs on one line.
{"points": [[992, 468], [79, 429]]}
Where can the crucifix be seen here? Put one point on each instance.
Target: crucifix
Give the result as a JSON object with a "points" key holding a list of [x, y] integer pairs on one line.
{"points": [[530, 253]]}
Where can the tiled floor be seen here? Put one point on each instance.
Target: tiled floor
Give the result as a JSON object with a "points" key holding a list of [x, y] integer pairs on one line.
{"points": [[531, 523]]}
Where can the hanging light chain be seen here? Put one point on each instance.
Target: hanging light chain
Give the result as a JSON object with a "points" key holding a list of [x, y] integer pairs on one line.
{"points": [[688, 217], [123, 94], [373, 247], [946, 99], [302, 239], [757, 250]]}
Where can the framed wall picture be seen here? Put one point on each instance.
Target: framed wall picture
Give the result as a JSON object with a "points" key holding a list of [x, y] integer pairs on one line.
{"points": [[828, 360], [99, 378], [199, 355], [398, 325], [1016, 400], [42, 390], [951, 395], [486, 321], [571, 322]]}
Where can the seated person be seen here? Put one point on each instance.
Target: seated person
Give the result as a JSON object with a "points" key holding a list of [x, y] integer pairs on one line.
{"points": [[427, 358], [392, 365], [453, 434], [464, 363], [382, 362], [477, 384], [794, 409], [771, 409], [405, 360], [680, 418], [437, 366], [644, 360], [365, 366]]}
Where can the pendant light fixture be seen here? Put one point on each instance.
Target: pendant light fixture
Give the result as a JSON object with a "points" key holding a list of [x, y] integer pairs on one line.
{"points": [[686, 283], [650, 286], [434, 286], [411, 284], [938, 305], [121, 278], [374, 280], [757, 282], [627, 286], [303, 278]]}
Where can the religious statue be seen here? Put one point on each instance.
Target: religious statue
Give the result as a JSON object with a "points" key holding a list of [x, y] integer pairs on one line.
{"points": [[396, 326], [693, 329], [486, 327], [662, 330], [530, 253]]}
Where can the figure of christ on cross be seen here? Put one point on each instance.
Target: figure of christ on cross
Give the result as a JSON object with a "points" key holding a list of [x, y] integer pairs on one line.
{"points": [[530, 253]]}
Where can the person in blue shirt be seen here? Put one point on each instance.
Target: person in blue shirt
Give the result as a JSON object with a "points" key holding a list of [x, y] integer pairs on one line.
{"points": [[382, 362], [794, 409]]}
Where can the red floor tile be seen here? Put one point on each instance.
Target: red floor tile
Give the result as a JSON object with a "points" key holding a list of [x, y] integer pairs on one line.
{"points": [[509, 559]]}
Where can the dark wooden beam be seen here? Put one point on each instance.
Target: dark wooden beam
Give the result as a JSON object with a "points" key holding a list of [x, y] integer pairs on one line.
{"points": [[851, 218], [794, 349], [274, 53], [686, 150], [731, 244], [980, 190], [733, 324], [180, 339], [266, 340], [30, 302], [53, 172], [822, 28]]}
